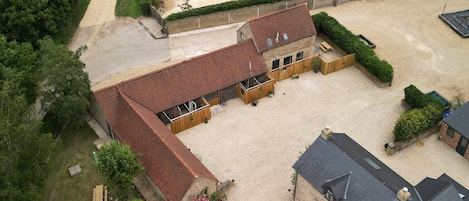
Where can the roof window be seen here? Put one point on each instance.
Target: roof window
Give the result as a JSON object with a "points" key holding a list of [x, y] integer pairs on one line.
{"points": [[285, 36], [269, 42]]}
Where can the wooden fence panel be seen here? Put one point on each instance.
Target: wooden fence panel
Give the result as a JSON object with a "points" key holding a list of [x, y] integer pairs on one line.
{"points": [[190, 120], [338, 64], [260, 92], [298, 67]]}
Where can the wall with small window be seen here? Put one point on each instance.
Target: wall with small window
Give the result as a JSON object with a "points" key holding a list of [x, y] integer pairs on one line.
{"points": [[452, 137], [449, 135], [289, 53]]}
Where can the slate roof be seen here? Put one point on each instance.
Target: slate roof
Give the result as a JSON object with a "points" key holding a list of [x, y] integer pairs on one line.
{"points": [[459, 120], [295, 22], [370, 179], [167, 160], [185, 81], [442, 189]]}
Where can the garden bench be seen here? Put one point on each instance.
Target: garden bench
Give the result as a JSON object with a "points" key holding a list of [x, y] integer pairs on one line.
{"points": [[325, 46], [100, 193]]}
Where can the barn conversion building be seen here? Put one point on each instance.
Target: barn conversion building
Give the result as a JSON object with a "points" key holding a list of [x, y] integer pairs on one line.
{"points": [[145, 112]]}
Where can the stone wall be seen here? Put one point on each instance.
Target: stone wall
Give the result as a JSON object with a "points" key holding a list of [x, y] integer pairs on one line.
{"points": [[227, 17], [98, 114], [305, 192], [306, 45]]}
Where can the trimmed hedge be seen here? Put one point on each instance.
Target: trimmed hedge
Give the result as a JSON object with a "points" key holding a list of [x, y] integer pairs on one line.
{"points": [[427, 112], [350, 43], [230, 5]]}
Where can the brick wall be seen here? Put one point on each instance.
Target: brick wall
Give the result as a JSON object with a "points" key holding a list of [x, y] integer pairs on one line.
{"points": [[227, 17], [452, 141]]}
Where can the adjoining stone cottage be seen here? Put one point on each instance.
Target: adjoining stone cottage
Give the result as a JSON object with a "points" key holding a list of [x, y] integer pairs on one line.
{"points": [[336, 168]]}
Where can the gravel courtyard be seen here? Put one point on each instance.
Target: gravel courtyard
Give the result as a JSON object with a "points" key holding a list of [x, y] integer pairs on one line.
{"points": [[257, 146]]}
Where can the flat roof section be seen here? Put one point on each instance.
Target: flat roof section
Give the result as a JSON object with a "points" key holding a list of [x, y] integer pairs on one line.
{"points": [[459, 21]]}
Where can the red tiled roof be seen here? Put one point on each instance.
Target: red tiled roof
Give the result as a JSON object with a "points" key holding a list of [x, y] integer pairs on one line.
{"points": [[107, 100], [196, 77], [167, 160], [295, 22], [186, 81]]}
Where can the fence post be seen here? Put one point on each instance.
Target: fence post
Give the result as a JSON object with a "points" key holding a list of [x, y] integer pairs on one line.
{"points": [[198, 23]]}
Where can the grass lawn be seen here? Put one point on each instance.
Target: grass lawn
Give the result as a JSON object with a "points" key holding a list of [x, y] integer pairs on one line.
{"points": [[130, 8], [74, 147]]}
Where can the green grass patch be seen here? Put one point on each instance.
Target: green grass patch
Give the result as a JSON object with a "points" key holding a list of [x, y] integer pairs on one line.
{"points": [[67, 32], [74, 147], [128, 8]]}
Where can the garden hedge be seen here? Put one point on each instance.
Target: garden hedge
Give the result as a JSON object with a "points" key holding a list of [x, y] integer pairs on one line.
{"points": [[230, 5], [427, 111], [350, 43]]}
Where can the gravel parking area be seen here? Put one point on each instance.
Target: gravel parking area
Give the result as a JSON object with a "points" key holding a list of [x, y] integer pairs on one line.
{"points": [[257, 146]]}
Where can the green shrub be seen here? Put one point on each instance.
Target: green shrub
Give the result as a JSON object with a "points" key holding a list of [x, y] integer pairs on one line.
{"points": [[409, 124], [230, 5], [427, 112], [350, 43]]}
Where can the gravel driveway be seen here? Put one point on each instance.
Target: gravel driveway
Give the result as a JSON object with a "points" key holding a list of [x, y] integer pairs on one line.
{"points": [[257, 146]]}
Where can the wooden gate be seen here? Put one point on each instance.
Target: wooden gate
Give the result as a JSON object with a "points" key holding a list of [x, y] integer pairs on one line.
{"points": [[338, 64]]}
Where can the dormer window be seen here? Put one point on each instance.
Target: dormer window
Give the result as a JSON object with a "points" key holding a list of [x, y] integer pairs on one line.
{"points": [[285, 36], [269, 42]]}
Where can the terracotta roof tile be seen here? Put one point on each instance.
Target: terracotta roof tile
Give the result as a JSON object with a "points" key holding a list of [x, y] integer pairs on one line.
{"points": [[107, 100], [196, 77], [167, 160], [295, 22]]}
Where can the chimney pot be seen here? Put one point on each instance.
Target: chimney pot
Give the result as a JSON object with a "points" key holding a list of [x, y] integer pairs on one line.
{"points": [[326, 133], [403, 194]]}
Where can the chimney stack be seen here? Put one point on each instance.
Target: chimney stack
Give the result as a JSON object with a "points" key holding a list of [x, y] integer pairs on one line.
{"points": [[326, 133], [403, 194]]}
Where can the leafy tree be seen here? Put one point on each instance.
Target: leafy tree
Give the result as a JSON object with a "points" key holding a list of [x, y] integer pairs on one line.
{"points": [[118, 165], [66, 87], [23, 150], [21, 58], [28, 21]]}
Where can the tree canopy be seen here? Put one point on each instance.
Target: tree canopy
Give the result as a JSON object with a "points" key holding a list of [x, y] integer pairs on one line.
{"points": [[24, 151], [66, 87], [29, 21], [118, 165]]}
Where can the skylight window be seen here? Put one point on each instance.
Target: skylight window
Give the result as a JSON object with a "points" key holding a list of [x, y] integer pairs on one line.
{"points": [[285, 36], [372, 163], [269, 42]]}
